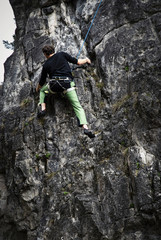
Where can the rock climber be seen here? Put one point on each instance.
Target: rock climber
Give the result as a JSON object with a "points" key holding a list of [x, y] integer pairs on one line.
{"points": [[61, 80]]}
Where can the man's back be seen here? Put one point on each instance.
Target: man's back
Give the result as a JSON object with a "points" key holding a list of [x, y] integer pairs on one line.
{"points": [[57, 65]]}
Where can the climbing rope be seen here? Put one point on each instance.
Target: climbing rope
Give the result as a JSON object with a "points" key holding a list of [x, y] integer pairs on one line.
{"points": [[88, 30]]}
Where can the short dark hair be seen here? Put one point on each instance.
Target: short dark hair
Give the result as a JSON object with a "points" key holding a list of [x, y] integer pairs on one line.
{"points": [[48, 49]]}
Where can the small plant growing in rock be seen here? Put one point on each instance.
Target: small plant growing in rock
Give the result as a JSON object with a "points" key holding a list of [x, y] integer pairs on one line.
{"points": [[138, 165], [25, 102], [65, 193], [100, 85], [126, 68], [38, 156], [48, 155]]}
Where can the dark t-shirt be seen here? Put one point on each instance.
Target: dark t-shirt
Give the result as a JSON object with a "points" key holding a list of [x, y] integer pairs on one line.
{"points": [[57, 65]]}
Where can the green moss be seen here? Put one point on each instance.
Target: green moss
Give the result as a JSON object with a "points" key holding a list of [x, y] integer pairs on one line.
{"points": [[48, 155], [65, 193], [138, 165], [116, 106], [25, 102], [37, 156], [123, 143], [126, 68], [100, 85]]}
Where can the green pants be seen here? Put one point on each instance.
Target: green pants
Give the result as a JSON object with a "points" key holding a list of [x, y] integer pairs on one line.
{"points": [[73, 99]]}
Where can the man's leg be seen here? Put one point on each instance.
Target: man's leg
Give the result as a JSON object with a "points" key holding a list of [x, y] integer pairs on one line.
{"points": [[79, 111], [42, 101]]}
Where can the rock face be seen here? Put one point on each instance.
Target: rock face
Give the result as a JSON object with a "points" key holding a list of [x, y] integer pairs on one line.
{"points": [[55, 183]]}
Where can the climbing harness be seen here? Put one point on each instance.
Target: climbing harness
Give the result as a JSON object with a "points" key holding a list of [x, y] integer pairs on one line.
{"points": [[59, 84], [88, 30]]}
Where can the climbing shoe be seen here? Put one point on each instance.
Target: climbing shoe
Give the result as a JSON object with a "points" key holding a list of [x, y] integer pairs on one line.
{"points": [[89, 133], [41, 114]]}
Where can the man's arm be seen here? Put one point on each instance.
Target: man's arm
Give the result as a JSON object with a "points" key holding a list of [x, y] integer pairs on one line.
{"points": [[83, 61], [42, 79], [75, 60], [38, 87]]}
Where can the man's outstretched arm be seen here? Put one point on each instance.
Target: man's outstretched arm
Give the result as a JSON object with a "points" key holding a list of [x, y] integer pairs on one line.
{"points": [[83, 61], [38, 87]]}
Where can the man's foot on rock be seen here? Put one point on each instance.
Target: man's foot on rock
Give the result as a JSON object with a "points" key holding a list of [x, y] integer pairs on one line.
{"points": [[41, 114], [89, 133]]}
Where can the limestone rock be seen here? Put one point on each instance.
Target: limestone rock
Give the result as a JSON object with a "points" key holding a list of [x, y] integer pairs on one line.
{"points": [[56, 184]]}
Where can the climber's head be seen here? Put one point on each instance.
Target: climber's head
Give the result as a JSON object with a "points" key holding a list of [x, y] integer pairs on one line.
{"points": [[48, 50]]}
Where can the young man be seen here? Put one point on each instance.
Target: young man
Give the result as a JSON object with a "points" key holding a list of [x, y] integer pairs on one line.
{"points": [[61, 80]]}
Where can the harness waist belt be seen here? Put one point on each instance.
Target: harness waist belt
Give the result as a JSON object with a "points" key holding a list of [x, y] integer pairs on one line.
{"points": [[61, 78]]}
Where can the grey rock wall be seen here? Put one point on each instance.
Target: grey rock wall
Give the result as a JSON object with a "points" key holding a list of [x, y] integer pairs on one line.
{"points": [[55, 183]]}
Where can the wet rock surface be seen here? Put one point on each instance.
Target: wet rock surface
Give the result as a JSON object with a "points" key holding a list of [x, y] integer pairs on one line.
{"points": [[55, 182]]}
